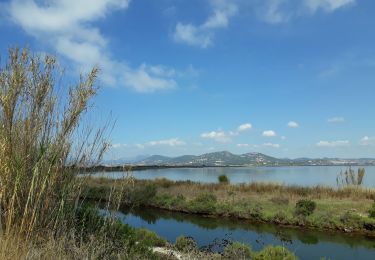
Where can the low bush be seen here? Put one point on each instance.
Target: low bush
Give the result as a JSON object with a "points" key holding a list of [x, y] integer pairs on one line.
{"points": [[186, 244], [113, 235], [274, 253], [351, 220], [280, 218], [141, 195], [256, 212], [204, 203], [372, 211], [305, 207], [237, 250], [223, 178], [149, 238]]}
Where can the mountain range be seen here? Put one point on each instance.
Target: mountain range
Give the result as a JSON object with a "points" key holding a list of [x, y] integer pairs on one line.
{"points": [[225, 158]]}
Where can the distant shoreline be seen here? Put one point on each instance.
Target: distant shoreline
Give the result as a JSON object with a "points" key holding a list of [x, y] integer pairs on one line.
{"points": [[129, 167]]}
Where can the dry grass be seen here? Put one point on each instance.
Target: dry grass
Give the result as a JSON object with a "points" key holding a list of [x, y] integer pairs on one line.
{"points": [[224, 191]]}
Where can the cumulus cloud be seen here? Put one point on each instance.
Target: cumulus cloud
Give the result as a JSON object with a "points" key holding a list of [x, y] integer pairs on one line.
{"points": [[218, 136], [367, 140], [223, 137], [269, 11], [327, 5], [269, 133], [168, 142], [336, 120], [339, 143], [247, 146], [68, 26], [272, 145], [244, 127], [281, 11], [293, 124], [202, 35]]}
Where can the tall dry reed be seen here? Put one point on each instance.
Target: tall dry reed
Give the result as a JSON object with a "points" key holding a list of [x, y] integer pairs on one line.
{"points": [[41, 134]]}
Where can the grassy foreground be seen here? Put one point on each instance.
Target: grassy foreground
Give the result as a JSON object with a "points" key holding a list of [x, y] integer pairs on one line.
{"points": [[347, 209]]}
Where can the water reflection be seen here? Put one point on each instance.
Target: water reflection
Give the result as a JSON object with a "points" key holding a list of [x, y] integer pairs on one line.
{"points": [[306, 244]]}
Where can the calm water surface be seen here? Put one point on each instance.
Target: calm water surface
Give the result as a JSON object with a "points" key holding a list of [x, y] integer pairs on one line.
{"points": [[295, 175], [305, 244]]}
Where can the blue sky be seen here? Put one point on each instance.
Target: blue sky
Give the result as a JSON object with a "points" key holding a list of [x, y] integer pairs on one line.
{"points": [[284, 77]]}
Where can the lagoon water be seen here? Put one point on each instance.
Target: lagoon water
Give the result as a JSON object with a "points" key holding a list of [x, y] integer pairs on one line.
{"points": [[305, 244], [292, 175]]}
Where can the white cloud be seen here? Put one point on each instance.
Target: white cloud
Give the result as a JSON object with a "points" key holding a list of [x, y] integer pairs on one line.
{"points": [[253, 146], [272, 145], [273, 11], [224, 137], [269, 133], [366, 140], [218, 136], [148, 81], [118, 145], [333, 143], [336, 120], [327, 5], [139, 146], [168, 142], [293, 124], [202, 35], [68, 26], [244, 127], [281, 11]]}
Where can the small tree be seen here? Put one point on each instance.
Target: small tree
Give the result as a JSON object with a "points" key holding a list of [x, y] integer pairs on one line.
{"points": [[223, 178]]}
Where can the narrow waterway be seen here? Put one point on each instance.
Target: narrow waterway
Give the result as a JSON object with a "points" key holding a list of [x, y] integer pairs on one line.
{"points": [[306, 244]]}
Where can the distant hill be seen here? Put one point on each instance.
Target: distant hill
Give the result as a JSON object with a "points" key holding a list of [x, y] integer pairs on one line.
{"points": [[225, 158]]}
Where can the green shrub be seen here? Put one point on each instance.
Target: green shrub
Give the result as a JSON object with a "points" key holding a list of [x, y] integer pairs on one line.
{"points": [[351, 220], [149, 238], [204, 203], [256, 212], [223, 178], [280, 217], [372, 211], [274, 253], [186, 244], [141, 195], [91, 224], [305, 207], [237, 250]]}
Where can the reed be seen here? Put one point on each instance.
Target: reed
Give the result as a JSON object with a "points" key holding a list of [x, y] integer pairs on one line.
{"points": [[43, 139]]}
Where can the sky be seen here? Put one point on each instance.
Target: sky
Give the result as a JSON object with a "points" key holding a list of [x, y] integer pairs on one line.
{"points": [[289, 78]]}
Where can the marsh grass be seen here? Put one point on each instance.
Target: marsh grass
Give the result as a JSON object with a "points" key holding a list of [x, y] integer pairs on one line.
{"points": [[265, 202]]}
